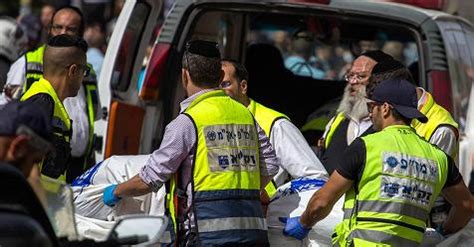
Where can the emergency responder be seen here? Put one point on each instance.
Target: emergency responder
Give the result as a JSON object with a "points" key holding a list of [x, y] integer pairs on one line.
{"points": [[25, 135], [82, 109], [13, 41], [296, 157], [352, 119], [64, 68], [212, 157], [391, 179], [440, 130]]}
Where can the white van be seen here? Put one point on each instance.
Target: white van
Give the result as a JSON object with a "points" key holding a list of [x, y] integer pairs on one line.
{"points": [[438, 47]]}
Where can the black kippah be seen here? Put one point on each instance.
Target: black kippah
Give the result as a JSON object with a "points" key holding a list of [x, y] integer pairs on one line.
{"points": [[386, 66], [203, 48], [377, 55], [64, 40]]}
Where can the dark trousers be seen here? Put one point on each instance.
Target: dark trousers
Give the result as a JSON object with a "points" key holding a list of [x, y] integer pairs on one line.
{"points": [[77, 166]]}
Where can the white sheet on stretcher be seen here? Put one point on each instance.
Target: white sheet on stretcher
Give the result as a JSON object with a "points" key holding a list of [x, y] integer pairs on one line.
{"points": [[95, 219]]}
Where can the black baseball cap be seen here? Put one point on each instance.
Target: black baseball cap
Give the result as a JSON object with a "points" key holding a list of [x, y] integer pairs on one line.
{"points": [[25, 118], [401, 94]]}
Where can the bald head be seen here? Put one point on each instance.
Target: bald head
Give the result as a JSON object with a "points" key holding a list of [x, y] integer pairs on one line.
{"points": [[67, 20]]}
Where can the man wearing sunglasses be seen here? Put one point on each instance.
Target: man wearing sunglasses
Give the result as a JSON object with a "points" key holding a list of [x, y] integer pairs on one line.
{"points": [[440, 130], [82, 109], [390, 179], [64, 69], [214, 160]]}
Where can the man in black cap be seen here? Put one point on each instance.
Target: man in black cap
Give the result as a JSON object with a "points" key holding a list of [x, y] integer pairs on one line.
{"points": [[25, 135], [391, 179], [352, 119], [440, 130], [214, 160]]}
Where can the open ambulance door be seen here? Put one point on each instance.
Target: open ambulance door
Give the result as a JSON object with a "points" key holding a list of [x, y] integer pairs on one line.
{"points": [[123, 113]]}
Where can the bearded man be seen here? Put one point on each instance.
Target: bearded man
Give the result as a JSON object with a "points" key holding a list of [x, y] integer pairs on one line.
{"points": [[352, 118]]}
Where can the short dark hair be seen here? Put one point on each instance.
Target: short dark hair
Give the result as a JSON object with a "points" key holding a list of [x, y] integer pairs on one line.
{"points": [[77, 11], [64, 40], [240, 70], [397, 73], [202, 59]]}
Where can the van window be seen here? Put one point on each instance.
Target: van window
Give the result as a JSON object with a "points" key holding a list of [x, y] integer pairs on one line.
{"points": [[123, 67], [459, 47], [324, 48], [224, 28], [297, 61]]}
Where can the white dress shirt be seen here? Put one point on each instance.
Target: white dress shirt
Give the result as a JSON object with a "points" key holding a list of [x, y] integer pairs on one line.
{"points": [[296, 157], [357, 128]]}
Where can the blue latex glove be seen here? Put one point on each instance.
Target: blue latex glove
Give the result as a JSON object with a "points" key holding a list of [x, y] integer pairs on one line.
{"points": [[108, 197], [293, 227]]}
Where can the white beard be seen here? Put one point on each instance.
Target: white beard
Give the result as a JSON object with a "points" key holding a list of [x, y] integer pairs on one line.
{"points": [[355, 106]]}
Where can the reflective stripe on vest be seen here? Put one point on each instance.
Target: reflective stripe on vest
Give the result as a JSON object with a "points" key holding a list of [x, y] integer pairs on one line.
{"points": [[232, 223], [265, 118], [226, 172], [378, 237], [393, 207], [34, 66], [337, 121], [437, 116], [400, 181], [90, 90]]}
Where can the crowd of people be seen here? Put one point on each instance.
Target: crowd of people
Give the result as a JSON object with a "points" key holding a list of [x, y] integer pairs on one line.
{"points": [[33, 22], [389, 148], [307, 55]]}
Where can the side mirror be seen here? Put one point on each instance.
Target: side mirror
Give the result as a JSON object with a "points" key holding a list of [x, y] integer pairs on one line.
{"points": [[138, 229]]}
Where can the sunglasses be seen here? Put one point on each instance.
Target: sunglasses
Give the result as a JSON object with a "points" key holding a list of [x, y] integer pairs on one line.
{"points": [[84, 68], [372, 104], [225, 84]]}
